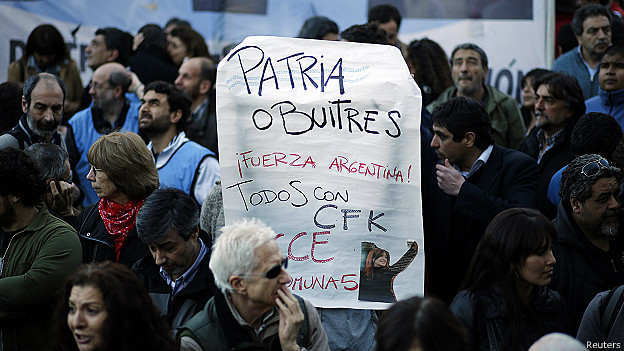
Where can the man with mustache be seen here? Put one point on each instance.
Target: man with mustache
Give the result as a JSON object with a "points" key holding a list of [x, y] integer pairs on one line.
{"points": [[559, 105], [181, 163], [592, 28], [610, 97], [469, 66], [474, 181], [589, 252], [42, 103]]}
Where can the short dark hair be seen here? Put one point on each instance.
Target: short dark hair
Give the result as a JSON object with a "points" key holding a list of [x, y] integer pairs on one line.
{"points": [[20, 176], [155, 37], [426, 319], [384, 14], [50, 158], [591, 10], [166, 209], [615, 50], [596, 133], [461, 115], [474, 47], [176, 97], [365, 33], [533, 74], [207, 70], [178, 22], [564, 87], [32, 81], [576, 185], [46, 39], [116, 39], [317, 27], [120, 79]]}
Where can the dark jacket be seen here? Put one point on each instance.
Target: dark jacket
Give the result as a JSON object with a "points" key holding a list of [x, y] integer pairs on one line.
{"points": [[151, 64], [582, 269], [98, 245], [552, 161], [202, 129], [453, 225], [178, 309], [486, 318]]}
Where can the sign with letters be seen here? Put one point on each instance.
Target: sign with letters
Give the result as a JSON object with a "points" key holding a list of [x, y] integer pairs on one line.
{"points": [[320, 140]]}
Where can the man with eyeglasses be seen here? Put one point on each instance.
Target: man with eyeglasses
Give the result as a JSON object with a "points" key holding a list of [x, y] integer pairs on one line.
{"points": [[110, 111], [175, 272], [253, 308], [610, 99], [589, 250]]}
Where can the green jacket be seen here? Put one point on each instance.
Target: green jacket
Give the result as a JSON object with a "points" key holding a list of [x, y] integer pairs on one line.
{"points": [[36, 263], [507, 123]]}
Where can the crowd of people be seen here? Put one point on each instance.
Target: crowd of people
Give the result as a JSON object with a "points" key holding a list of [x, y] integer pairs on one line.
{"points": [[112, 231]]}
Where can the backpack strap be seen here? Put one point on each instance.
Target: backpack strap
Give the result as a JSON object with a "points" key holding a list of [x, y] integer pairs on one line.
{"points": [[303, 337], [615, 300]]}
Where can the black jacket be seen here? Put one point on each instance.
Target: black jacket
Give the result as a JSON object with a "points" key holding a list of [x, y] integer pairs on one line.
{"points": [[582, 269], [486, 319], [98, 245], [552, 161], [453, 225], [178, 309]]}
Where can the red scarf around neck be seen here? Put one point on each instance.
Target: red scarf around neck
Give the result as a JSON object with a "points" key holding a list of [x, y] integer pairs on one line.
{"points": [[119, 220]]}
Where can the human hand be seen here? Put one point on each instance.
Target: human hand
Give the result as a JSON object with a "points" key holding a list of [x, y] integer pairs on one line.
{"points": [[138, 39], [290, 320], [136, 86], [449, 179], [60, 198]]}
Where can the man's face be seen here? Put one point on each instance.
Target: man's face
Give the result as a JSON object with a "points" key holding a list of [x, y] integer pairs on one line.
{"points": [[102, 93], [7, 212], [97, 53], [188, 78], [600, 213], [551, 114], [611, 74], [262, 291], [445, 147], [46, 108], [154, 115], [174, 254], [467, 72], [392, 30], [596, 36]]}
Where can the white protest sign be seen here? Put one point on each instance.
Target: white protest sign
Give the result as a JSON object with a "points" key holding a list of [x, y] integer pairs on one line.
{"points": [[320, 140]]}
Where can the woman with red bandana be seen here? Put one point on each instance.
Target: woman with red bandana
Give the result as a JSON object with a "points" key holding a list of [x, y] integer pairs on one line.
{"points": [[123, 175]]}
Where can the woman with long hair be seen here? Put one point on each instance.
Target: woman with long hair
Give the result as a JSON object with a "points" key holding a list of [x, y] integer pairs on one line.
{"points": [[377, 278], [506, 304], [183, 42], [424, 60], [104, 307]]}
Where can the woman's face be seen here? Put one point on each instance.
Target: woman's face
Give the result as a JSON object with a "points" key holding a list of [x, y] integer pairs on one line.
{"points": [[528, 94], [538, 267], [86, 317], [104, 188], [177, 50], [381, 261]]}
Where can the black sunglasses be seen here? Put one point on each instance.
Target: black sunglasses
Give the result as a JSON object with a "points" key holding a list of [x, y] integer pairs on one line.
{"points": [[273, 272], [594, 167]]}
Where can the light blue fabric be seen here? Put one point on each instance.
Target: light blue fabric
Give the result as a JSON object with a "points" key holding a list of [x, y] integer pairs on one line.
{"points": [[611, 103], [572, 64], [349, 329], [553, 187]]}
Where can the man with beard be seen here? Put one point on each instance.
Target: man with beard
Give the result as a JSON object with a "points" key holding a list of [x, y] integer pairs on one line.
{"points": [[181, 163], [111, 111], [559, 105], [37, 252], [592, 28], [42, 103], [589, 251], [196, 78], [469, 67]]}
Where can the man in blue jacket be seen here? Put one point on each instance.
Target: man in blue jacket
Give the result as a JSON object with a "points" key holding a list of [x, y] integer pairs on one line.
{"points": [[610, 99]]}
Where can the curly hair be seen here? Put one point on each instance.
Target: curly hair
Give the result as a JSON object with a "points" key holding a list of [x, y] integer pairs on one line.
{"points": [[20, 176], [427, 58], [576, 185], [133, 322]]}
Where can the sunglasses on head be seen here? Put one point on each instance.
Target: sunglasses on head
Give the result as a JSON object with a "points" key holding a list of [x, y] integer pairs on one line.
{"points": [[273, 272], [594, 167]]}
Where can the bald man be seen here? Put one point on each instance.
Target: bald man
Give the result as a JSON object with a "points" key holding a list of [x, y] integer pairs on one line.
{"points": [[110, 111], [196, 77]]}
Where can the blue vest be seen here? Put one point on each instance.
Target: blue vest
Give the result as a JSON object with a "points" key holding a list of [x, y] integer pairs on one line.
{"points": [[181, 169], [85, 135]]}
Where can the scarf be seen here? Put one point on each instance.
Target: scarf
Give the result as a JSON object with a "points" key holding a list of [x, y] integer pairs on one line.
{"points": [[119, 220]]}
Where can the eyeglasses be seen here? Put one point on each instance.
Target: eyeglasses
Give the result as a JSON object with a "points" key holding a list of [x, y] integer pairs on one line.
{"points": [[273, 272], [94, 170], [592, 168]]}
